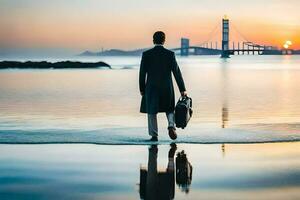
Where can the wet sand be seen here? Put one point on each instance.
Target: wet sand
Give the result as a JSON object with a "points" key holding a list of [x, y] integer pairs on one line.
{"points": [[88, 171]]}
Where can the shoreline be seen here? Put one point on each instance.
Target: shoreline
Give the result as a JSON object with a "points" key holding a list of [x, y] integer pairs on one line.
{"points": [[149, 143], [138, 136]]}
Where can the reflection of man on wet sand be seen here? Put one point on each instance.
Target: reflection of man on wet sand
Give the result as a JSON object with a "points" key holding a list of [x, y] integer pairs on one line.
{"points": [[159, 184]]}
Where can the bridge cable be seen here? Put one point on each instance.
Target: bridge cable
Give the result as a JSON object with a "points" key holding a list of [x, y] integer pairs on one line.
{"points": [[242, 35], [211, 34]]}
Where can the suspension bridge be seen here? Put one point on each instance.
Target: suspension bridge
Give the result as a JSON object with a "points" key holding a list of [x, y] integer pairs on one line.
{"points": [[227, 48]]}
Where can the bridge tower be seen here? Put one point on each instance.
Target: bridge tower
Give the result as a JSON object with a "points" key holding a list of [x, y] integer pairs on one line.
{"points": [[185, 45], [225, 37]]}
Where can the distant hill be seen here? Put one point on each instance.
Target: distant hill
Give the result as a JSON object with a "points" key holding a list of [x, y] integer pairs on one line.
{"points": [[87, 53], [114, 52]]}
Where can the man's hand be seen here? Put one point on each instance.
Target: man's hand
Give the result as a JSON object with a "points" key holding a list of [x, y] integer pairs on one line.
{"points": [[184, 93], [142, 93]]}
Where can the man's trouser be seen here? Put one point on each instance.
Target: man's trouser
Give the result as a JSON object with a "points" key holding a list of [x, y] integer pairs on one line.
{"points": [[152, 123]]}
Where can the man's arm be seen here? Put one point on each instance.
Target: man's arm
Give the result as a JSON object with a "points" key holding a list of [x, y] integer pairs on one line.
{"points": [[142, 76], [178, 76]]}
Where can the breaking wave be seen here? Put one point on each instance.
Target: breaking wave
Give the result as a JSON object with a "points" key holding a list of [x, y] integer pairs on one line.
{"points": [[250, 133]]}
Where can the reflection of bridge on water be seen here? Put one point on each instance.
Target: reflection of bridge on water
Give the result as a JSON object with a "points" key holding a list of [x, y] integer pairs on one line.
{"points": [[241, 47]]}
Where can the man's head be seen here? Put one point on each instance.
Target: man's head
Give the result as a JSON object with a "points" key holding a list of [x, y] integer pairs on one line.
{"points": [[159, 37]]}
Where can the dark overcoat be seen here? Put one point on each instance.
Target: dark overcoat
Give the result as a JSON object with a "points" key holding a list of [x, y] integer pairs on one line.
{"points": [[155, 80]]}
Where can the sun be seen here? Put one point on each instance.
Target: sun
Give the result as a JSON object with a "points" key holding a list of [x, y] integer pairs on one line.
{"points": [[287, 44]]}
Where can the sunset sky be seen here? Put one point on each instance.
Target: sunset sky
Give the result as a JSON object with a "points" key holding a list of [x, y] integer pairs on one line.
{"points": [[129, 24]]}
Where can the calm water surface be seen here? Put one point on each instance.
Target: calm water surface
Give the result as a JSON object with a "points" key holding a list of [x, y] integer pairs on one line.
{"points": [[259, 93], [85, 171], [245, 99]]}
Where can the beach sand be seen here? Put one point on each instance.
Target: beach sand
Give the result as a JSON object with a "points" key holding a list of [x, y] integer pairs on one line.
{"points": [[89, 171]]}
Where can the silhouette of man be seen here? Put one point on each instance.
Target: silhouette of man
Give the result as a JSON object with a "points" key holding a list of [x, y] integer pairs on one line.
{"points": [[160, 185], [154, 184], [156, 86]]}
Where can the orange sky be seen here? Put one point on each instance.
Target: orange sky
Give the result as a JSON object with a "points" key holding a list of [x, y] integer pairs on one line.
{"points": [[129, 24]]}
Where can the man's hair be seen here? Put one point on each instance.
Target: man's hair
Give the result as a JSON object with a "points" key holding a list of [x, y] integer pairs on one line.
{"points": [[159, 37]]}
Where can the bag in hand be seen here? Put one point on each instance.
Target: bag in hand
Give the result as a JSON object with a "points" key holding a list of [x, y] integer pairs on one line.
{"points": [[183, 111]]}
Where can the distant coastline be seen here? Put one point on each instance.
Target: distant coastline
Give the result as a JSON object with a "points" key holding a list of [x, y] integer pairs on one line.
{"points": [[138, 52], [49, 65], [114, 52]]}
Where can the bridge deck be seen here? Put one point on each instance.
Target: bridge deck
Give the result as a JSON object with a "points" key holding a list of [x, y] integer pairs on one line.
{"points": [[245, 50]]}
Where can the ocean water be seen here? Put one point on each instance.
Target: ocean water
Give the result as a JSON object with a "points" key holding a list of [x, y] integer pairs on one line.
{"points": [[84, 171], [243, 99]]}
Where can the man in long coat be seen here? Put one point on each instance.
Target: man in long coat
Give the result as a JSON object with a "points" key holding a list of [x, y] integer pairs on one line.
{"points": [[156, 86]]}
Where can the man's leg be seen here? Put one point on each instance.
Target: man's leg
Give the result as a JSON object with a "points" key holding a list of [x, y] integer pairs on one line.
{"points": [[152, 125], [171, 125], [152, 175], [171, 119]]}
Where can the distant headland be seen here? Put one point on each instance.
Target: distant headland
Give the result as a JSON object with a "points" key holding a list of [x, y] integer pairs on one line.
{"points": [[49, 65], [114, 52]]}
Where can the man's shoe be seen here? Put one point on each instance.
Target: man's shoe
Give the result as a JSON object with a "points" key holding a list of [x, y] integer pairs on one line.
{"points": [[172, 150], [154, 139], [172, 133]]}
